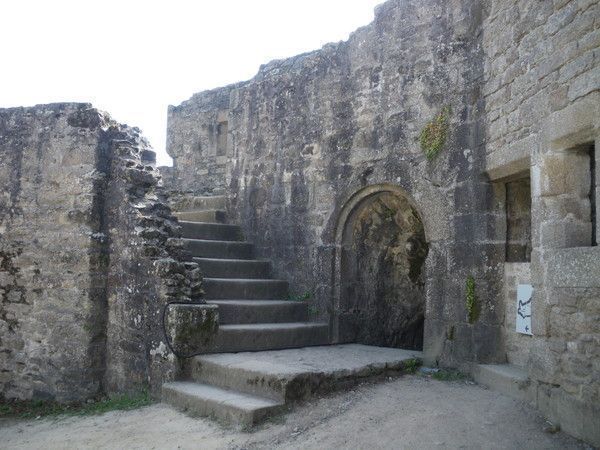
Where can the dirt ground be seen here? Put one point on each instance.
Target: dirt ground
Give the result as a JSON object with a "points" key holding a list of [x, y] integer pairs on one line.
{"points": [[412, 412]]}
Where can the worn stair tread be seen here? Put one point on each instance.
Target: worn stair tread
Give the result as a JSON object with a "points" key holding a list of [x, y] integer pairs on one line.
{"points": [[234, 399], [253, 337], [201, 216], [245, 288], [273, 326], [506, 378], [200, 203], [224, 226], [258, 302], [299, 373], [507, 370], [211, 231], [218, 224], [232, 260], [209, 248], [218, 241], [246, 280], [234, 268], [193, 211], [260, 311], [321, 359]]}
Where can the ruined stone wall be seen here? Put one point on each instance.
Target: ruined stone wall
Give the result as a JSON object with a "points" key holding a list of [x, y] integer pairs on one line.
{"points": [[197, 140], [51, 336], [312, 137], [309, 134], [542, 77], [87, 257], [146, 268]]}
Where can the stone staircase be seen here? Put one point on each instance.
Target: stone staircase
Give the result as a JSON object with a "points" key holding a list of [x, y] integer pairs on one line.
{"points": [[254, 310], [266, 354], [509, 379]]}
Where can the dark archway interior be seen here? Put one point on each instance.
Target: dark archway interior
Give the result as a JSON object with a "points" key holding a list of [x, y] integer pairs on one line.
{"points": [[382, 281]]}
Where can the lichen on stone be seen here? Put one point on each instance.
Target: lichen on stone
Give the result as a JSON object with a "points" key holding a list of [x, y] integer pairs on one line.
{"points": [[434, 134]]}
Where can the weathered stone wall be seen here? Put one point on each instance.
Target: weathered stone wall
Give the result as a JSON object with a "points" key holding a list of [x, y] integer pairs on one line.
{"points": [[309, 134], [197, 140], [541, 84], [146, 267], [517, 346], [51, 333], [87, 257], [517, 82]]}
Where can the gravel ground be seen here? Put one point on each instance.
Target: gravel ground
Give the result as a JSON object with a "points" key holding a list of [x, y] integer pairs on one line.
{"points": [[412, 412]]}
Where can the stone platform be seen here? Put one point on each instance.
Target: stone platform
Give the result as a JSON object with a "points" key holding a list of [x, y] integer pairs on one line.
{"points": [[245, 388]]}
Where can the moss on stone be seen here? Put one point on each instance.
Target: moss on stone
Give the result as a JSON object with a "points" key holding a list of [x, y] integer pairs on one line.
{"points": [[434, 134], [450, 334], [471, 301], [411, 365]]}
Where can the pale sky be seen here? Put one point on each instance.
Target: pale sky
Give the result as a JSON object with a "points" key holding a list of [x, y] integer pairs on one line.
{"points": [[133, 58]]}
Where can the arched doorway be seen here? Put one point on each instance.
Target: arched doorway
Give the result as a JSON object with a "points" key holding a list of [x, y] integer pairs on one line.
{"points": [[381, 286]]}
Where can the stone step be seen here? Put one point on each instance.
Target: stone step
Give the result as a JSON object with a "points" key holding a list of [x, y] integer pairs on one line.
{"points": [[211, 231], [505, 378], [245, 289], [260, 311], [219, 249], [234, 268], [210, 401], [297, 374], [209, 216], [270, 336], [199, 203]]}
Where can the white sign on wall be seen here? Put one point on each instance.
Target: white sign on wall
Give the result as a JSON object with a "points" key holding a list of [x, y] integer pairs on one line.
{"points": [[524, 294]]}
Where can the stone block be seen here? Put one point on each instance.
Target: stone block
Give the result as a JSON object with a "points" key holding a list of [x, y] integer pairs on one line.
{"points": [[508, 379], [573, 267], [574, 125], [511, 160], [435, 337], [574, 416], [565, 172], [544, 365], [191, 328], [565, 234]]}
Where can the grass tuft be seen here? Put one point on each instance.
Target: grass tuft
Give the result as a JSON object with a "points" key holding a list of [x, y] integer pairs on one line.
{"points": [[411, 365], [448, 375], [30, 409]]}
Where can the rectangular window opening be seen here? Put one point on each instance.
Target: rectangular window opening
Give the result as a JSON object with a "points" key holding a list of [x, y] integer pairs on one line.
{"points": [[518, 220], [593, 193], [222, 138]]}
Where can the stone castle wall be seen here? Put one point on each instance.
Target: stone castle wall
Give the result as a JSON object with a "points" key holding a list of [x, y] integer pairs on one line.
{"points": [[195, 134], [542, 105], [311, 137], [51, 338], [87, 257], [308, 133]]}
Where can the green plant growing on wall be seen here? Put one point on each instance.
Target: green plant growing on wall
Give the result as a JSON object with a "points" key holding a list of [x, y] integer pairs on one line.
{"points": [[450, 333], [433, 135], [471, 301], [411, 365], [300, 297]]}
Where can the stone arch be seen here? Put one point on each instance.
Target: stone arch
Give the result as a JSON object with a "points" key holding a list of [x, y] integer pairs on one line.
{"points": [[379, 288]]}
